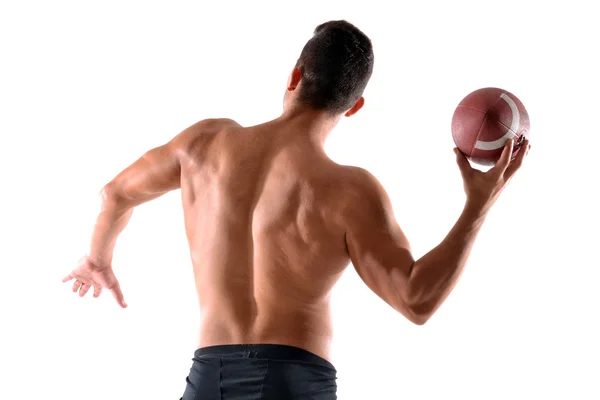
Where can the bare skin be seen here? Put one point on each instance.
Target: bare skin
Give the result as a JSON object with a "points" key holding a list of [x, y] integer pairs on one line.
{"points": [[272, 223]]}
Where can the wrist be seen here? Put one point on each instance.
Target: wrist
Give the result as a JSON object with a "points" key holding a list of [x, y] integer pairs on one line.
{"points": [[99, 260], [478, 207]]}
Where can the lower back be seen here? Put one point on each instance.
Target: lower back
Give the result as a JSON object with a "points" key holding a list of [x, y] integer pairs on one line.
{"points": [[310, 330]]}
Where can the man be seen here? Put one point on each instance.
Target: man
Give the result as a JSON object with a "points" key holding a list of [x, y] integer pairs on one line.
{"points": [[272, 223]]}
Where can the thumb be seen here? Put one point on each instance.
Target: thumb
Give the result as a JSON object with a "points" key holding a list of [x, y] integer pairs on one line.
{"points": [[462, 162]]}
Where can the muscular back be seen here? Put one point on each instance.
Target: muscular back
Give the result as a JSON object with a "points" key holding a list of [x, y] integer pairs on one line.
{"points": [[263, 223]]}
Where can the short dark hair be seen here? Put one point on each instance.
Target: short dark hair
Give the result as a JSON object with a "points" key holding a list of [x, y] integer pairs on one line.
{"points": [[336, 65]]}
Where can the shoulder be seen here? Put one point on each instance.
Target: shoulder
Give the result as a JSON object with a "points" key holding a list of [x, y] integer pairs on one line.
{"points": [[362, 195], [360, 183], [215, 123], [201, 133], [208, 127]]}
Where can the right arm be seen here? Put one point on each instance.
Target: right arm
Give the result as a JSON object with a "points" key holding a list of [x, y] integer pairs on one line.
{"points": [[381, 255]]}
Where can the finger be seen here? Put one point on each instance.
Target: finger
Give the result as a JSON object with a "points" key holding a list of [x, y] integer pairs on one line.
{"points": [[463, 163], [76, 285], [67, 278], [518, 161], [505, 157], [118, 295], [84, 289], [97, 290]]}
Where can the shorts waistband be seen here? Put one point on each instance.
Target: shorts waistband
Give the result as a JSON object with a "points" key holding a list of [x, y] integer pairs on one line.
{"points": [[269, 351]]}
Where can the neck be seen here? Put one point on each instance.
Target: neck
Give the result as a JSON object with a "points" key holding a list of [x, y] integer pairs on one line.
{"points": [[315, 124]]}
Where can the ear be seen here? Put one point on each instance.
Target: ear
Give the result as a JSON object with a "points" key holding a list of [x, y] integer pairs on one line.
{"points": [[359, 104], [294, 79]]}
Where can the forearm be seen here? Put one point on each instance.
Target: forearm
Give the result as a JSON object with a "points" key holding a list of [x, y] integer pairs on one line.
{"points": [[434, 275], [111, 221]]}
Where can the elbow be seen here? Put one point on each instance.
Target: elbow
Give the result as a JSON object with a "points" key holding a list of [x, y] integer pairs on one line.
{"points": [[108, 193], [110, 197], [419, 312], [420, 320], [421, 304], [418, 317], [414, 303], [409, 303]]}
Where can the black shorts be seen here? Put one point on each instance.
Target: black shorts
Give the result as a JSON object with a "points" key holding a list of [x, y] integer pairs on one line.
{"points": [[259, 372]]}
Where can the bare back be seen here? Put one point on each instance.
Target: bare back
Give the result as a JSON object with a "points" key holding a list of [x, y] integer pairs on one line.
{"points": [[264, 233]]}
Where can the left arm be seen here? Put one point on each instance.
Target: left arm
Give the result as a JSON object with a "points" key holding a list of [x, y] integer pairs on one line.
{"points": [[152, 175], [157, 172]]}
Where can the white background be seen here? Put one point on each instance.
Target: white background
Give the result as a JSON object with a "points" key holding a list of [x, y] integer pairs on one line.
{"points": [[87, 87]]}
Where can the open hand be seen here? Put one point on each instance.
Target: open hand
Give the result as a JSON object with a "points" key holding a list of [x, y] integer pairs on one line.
{"points": [[88, 275]]}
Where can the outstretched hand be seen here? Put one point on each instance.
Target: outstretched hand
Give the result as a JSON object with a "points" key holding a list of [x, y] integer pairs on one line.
{"points": [[485, 187], [88, 275]]}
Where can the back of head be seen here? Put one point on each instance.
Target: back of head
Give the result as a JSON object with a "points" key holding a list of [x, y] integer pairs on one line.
{"points": [[336, 66]]}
